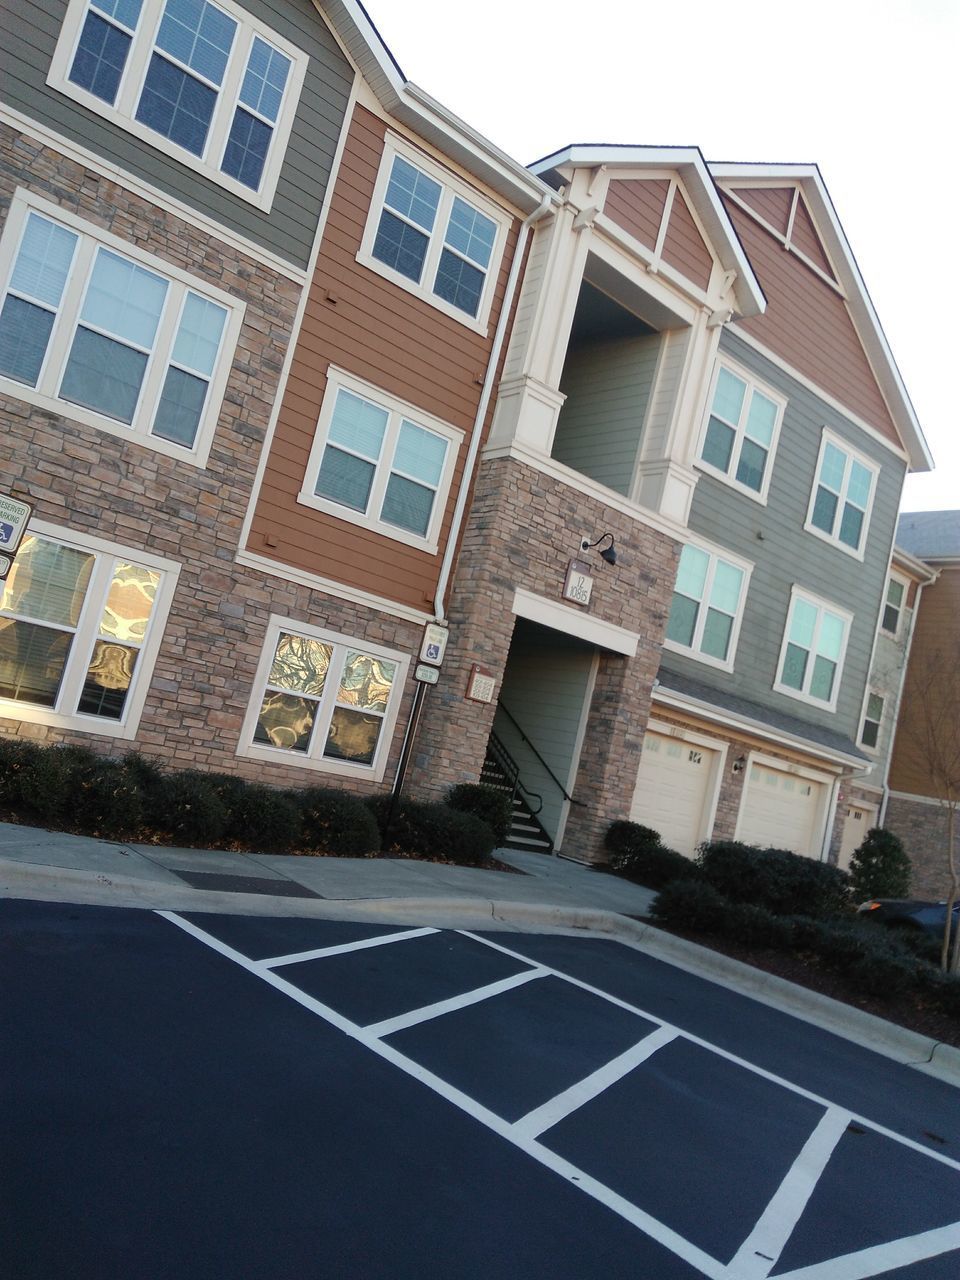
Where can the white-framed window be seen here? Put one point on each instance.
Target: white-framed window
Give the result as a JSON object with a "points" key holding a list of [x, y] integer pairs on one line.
{"points": [[380, 463], [80, 624], [206, 83], [740, 433], [111, 336], [842, 496], [872, 720], [707, 606], [434, 236], [893, 605], [323, 701], [813, 650]]}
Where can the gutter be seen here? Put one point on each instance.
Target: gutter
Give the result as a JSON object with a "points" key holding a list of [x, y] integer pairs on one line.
{"points": [[453, 537]]}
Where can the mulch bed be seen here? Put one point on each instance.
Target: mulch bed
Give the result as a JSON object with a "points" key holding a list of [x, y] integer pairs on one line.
{"points": [[804, 969]]}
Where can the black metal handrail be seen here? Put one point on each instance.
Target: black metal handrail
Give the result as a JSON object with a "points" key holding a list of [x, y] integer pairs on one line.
{"points": [[511, 771], [563, 791]]}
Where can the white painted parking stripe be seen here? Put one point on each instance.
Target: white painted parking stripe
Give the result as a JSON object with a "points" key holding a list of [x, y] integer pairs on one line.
{"points": [[936, 1156], [426, 1012], [298, 957], [657, 1230], [882, 1258], [758, 1254], [536, 1122]]}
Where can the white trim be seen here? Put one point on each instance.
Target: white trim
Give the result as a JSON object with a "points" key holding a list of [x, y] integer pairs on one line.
{"points": [[869, 693], [398, 411], [452, 186], [122, 113], [556, 616], [698, 739], [128, 724], [907, 795], [67, 320], [715, 553], [779, 236], [72, 150], [894, 576], [753, 385], [330, 587], [829, 437], [775, 764], [326, 702], [822, 606], [819, 392], [577, 749], [730, 719]]}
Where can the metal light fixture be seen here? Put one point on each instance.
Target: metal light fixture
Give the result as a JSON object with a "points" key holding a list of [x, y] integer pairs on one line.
{"points": [[739, 763], [608, 553]]}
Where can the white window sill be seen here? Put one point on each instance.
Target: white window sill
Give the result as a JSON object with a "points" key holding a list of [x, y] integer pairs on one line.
{"points": [[296, 759], [705, 658], [857, 554], [307, 499], [760, 498], [478, 324], [799, 696]]}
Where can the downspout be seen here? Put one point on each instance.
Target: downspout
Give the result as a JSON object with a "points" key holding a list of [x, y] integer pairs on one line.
{"points": [[459, 510], [915, 613]]}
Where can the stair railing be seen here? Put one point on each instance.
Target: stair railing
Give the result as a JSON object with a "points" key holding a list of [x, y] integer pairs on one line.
{"points": [[562, 789], [511, 771]]}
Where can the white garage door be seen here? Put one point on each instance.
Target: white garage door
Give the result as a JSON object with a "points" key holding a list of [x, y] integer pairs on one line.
{"points": [[673, 788], [781, 810], [860, 818]]}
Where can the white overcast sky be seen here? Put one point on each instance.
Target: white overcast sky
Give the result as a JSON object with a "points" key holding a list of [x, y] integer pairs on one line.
{"points": [[867, 89]]}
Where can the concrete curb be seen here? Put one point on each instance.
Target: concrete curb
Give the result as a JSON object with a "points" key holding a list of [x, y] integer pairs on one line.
{"points": [[56, 884]]}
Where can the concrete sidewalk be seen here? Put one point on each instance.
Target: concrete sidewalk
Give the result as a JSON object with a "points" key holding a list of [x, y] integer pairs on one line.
{"points": [[550, 895]]}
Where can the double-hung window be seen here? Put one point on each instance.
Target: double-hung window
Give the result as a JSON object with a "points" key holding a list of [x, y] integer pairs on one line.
{"points": [[893, 605], [707, 605], [323, 701], [842, 496], [205, 82], [80, 623], [872, 720], [740, 434], [813, 650], [114, 339], [432, 235], [379, 462]]}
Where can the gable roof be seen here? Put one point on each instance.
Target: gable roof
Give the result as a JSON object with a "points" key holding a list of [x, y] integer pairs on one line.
{"points": [[817, 199], [689, 165], [414, 107], [930, 535]]}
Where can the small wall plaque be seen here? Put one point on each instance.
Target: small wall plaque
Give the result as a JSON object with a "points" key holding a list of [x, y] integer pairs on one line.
{"points": [[578, 584], [481, 684]]}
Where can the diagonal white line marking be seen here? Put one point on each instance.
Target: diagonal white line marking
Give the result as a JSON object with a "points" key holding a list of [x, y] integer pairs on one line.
{"points": [[297, 957], [656, 1230], [758, 1254], [752, 1067], [424, 1014], [534, 1123], [882, 1258]]}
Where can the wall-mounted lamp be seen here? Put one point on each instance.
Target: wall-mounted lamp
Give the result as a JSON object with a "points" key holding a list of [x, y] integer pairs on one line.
{"points": [[608, 553], [739, 763]]}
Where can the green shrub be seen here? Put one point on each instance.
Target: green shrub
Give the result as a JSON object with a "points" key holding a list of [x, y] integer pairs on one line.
{"points": [[190, 810], [941, 989], [783, 882], [229, 787], [432, 831], [16, 756], [886, 973], [108, 800], [48, 784], [264, 819], [149, 778], [690, 904], [636, 852], [489, 804], [337, 822], [880, 868], [755, 926]]}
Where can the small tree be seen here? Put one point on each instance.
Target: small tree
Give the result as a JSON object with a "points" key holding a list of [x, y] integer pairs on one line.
{"points": [[931, 732], [880, 868]]}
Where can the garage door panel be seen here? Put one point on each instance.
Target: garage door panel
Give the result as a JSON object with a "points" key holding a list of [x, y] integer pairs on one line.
{"points": [[782, 810], [674, 784]]}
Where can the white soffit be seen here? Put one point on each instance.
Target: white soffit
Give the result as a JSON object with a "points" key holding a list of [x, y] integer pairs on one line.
{"points": [[559, 617], [865, 318], [689, 165]]}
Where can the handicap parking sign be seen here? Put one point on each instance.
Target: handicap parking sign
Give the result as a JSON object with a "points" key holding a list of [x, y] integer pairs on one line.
{"points": [[7, 534], [14, 515]]}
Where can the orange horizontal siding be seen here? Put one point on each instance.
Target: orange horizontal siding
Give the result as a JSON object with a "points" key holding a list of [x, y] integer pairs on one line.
{"points": [[684, 247], [637, 206]]}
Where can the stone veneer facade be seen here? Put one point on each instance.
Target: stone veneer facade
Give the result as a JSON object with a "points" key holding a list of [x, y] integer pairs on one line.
{"points": [[523, 529], [923, 829], [88, 481]]}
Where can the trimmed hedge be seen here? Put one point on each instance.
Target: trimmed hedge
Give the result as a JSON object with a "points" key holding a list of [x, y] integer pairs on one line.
{"points": [[189, 809], [265, 819], [431, 830], [636, 852], [337, 822], [490, 805], [783, 882]]}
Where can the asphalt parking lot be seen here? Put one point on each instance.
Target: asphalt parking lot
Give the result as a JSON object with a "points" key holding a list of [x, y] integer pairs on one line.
{"points": [[225, 1096]]}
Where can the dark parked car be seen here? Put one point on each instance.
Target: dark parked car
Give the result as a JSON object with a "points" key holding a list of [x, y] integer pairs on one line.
{"points": [[910, 913]]}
